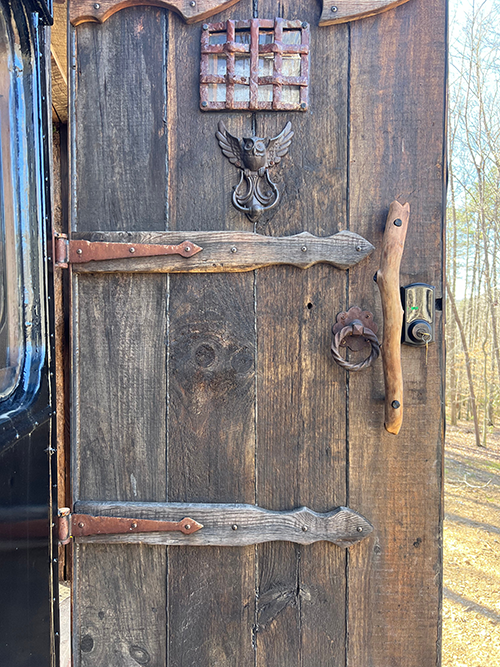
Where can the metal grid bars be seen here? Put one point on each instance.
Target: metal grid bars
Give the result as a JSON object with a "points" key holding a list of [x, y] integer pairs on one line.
{"points": [[259, 64]]}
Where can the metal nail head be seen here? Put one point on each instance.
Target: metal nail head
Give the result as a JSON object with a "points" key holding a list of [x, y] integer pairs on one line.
{"points": [[359, 248], [97, 5], [204, 104], [396, 405], [187, 248], [334, 9], [192, 3], [304, 248], [132, 250], [359, 529], [79, 251], [187, 526], [398, 222], [304, 529], [205, 26], [234, 526], [234, 249]]}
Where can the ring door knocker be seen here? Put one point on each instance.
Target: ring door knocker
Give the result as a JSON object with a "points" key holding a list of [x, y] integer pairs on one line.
{"points": [[355, 329]]}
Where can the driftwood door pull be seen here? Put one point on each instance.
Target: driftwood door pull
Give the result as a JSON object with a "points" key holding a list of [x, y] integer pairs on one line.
{"points": [[387, 279]]}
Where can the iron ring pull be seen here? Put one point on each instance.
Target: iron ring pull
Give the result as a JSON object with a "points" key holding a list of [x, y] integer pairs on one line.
{"points": [[356, 328]]}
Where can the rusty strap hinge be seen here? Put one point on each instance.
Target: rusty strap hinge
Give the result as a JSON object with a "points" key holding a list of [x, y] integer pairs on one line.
{"points": [[83, 525], [70, 251]]}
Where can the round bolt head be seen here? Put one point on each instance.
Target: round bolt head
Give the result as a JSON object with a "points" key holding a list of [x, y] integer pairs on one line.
{"points": [[359, 248], [134, 525], [204, 104], [187, 248], [81, 524], [304, 25], [132, 250], [359, 529], [192, 3], [304, 529], [234, 249], [303, 105], [334, 9], [97, 5], [304, 248], [398, 222], [79, 251], [396, 405], [234, 526], [205, 26], [187, 526]]}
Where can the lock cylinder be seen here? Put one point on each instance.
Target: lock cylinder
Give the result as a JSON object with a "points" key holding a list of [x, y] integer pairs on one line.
{"points": [[419, 314]]}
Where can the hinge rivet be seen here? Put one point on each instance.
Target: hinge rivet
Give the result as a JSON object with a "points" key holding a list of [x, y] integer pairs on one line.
{"points": [[131, 250], [234, 526], [79, 251]]}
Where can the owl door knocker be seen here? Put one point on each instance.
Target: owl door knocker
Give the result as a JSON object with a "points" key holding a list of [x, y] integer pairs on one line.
{"points": [[254, 156]]}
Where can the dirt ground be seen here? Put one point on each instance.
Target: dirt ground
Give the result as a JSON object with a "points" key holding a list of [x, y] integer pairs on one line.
{"points": [[471, 606]]}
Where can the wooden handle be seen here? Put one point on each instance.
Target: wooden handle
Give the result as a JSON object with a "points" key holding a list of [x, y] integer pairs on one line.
{"points": [[388, 281]]}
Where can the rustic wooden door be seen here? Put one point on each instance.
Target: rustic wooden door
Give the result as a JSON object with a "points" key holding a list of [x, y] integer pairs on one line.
{"points": [[219, 387]]}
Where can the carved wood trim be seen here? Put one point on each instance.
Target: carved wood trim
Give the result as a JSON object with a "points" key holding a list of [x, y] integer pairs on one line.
{"points": [[85, 11], [233, 525], [341, 11]]}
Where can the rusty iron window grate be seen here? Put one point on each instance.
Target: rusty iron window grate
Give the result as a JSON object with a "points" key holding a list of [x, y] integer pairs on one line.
{"points": [[259, 64]]}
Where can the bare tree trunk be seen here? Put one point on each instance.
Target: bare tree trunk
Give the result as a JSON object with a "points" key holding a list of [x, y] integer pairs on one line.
{"points": [[467, 364]]}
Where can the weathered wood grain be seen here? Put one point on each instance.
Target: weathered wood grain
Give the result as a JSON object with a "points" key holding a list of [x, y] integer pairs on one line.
{"points": [[300, 392], [394, 576], [234, 525], [83, 11], [211, 447], [119, 330], [393, 245], [232, 252], [121, 138], [341, 11]]}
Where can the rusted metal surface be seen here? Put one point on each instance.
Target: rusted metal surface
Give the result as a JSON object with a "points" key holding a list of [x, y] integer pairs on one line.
{"points": [[254, 156], [64, 527], [257, 48], [355, 329], [84, 525], [80, 252]]}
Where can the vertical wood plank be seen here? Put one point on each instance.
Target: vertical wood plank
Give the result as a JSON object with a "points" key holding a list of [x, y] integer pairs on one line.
{"points": [[211, 434], [120, 328], [398, 62], [301, 393], [120, 114], [120, 593]]}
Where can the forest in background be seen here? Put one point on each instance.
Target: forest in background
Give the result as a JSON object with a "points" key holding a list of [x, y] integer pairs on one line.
{"points": [[473, 213]]}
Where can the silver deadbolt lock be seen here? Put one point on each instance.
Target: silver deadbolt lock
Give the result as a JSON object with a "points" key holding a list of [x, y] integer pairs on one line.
{"points": [[419, 306]]}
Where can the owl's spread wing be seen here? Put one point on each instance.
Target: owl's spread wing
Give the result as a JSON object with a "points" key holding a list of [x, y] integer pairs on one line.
{"points": [[278, 147], [230, 145]]}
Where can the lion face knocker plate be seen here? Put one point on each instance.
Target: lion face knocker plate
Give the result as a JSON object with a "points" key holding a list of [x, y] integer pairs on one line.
{"points": [[254, 156]]}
